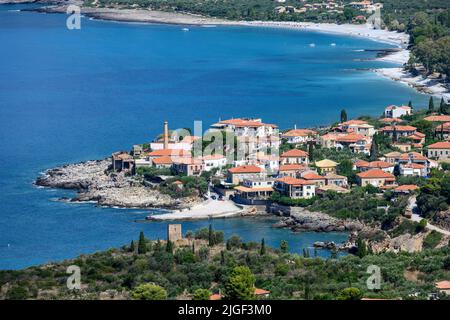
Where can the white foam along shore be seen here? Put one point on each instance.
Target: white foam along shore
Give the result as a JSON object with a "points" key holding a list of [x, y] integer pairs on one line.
{"points": [[399, 39]]}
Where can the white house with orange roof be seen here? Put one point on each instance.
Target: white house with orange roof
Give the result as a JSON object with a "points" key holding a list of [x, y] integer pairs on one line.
{"points": [[443, 130], [438, 118], [376, 177], [214, 161], [397, 111], [362, 166], [398, 131], [295, 188], [361, 127], [162, 162], [439, 150], [313, 177], [294, 156], [188, 166], [291, 170], [413, 157], [299, 136], [253, 133], [357, 143], [413, 169], [237, 174], [247, 127]]}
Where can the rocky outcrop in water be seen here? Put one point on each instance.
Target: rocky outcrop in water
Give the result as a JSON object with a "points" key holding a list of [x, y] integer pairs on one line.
{"points": [[95, 182], [301, 219]]}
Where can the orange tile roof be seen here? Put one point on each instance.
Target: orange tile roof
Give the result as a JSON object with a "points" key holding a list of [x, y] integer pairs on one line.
{"points": [[351, 138], [312, 176], [122, 156], [375, 173], [294, 181], [291, 167], [246, 169], [163, 160], [398, 128], [187, 161], [361, 163], [413, 155], [396, 107], [350, 122], [380, 164], [256, 189], [294, 153], [169, 152], [190, 139], [215, 156], [440, 118], [246, 123], [215, 296], [299, 133], [414, 166], [443, 285], [261, 291], [440, 145], [389, 120], [406, 187], [258, 292]]}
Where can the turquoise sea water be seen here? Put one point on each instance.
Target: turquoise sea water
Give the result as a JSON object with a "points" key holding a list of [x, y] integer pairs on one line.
{"points": [[68, 96]]}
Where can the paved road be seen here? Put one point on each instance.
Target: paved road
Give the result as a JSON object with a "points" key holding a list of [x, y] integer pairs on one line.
{"points": [[416, 218]]}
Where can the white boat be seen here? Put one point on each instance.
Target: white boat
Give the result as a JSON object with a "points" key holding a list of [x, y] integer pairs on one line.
{"points": [[185, 29]]}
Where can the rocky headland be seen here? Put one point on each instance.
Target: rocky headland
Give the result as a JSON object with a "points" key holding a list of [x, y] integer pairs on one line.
{"points": [[301, 219], [94, 181]]}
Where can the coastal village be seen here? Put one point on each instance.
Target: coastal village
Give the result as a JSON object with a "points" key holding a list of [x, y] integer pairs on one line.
{"points": [[293, 172], [372, 163]]}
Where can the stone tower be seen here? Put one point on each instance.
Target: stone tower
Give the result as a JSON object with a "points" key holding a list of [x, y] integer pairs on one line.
{"points": [[174, 232]]}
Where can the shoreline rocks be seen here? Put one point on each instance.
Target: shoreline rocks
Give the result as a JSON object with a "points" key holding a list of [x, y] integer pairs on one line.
{"points": [[301, 219], [93, 182]]}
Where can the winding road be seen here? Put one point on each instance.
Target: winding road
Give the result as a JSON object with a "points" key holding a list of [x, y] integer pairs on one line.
{"points": [[416, 218]]}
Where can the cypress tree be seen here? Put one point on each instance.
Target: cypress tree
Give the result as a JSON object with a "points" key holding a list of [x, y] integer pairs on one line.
{"points": [[374, 149], [222, 257], [431, 105], [142, 245], [396, 170], [362, 249], [311, 152], [410, 104], [169, 246], [343, 115], [132, 246], [210, 236], [262, 250], [284, 246], [442, 107]]}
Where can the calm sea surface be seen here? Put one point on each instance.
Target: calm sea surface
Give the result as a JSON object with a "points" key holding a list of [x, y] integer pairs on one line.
{"points": [[68, 96]]}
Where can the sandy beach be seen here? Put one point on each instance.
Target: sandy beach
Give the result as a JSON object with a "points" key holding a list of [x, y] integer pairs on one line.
{"points": [[400, 40], [205, 210]]}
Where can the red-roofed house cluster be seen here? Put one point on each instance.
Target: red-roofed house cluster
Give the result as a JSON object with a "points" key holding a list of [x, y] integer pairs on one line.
{"points": [[253, 175]]}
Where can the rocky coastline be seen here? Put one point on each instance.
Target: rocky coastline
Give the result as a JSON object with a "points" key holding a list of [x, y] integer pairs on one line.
{"points": [[300, 219], [94, 181]]}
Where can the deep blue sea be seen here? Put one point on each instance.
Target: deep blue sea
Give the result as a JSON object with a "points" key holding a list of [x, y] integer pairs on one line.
{"points": [[68, 96]]}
